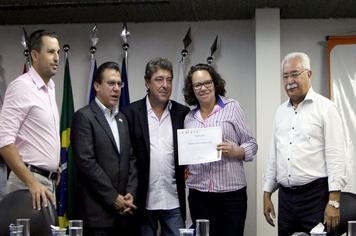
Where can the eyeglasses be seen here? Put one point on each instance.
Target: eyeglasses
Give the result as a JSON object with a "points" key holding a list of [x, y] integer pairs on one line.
{"points": [[198, 86], [293, 74], [160, 80], [120, 84]]}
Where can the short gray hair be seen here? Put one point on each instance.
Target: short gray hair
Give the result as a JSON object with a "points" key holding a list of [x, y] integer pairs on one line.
{"points": [[304, 59]]}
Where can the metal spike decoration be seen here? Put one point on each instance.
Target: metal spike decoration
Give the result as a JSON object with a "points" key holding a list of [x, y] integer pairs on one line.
{"points": [[94, 38], [187, 40], [125, 34], [24, 38], [213, 48], [26, 52]]}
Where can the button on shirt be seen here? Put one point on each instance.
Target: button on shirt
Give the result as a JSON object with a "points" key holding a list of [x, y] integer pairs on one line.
{"points": [[228, 174], [29, 119], [162, 188], [111, 119], [307, 144]]}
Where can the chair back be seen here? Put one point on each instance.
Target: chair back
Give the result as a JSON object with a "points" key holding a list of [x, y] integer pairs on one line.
{"points": [[347, 211], [18, 204]]}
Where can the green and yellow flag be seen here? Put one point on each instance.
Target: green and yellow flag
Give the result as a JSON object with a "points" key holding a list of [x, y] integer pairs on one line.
{"points": [[66, 189]]}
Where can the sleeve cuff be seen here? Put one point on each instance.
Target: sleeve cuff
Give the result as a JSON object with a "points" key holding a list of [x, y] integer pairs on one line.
{"points": [[248, 152], [337, 184], [270, 187]]}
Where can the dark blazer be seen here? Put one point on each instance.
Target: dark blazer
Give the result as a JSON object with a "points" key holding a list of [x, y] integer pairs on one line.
{"points": [[103, 172], [136, 114]]}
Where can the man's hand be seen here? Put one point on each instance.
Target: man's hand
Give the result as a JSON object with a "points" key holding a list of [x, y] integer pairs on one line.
{"points": [[331, 218], [129, 204], [58, 179], [332, 214], [40, 192], [124, 204], [119, 203], [268, 208]]}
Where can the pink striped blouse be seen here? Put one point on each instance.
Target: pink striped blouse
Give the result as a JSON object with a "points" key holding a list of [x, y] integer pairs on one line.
{"points": [[228, 174]]}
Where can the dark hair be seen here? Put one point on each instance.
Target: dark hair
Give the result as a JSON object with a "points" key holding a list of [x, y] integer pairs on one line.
{"points": [[155, 64], [106, 65], [35, 42], [219, 83]]}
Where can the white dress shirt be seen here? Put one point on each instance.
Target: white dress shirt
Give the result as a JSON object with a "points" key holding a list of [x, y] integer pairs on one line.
{"points": [[307, 144], [111, 118], [162, 188]]}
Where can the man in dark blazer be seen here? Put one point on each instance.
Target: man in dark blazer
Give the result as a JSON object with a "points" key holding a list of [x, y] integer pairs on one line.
{"points": [[153, 123], [103, 155]]}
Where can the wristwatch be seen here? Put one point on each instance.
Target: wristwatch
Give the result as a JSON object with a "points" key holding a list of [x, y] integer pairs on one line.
{"points": [[334, 204]]}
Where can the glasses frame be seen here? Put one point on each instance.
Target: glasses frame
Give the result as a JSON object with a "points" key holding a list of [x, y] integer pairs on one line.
{"points": [[294, 74], [120, 84], [199, 85]]}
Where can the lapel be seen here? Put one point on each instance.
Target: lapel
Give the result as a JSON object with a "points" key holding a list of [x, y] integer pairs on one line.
{"points": [[175, 125], [99, 116], [144, 123], [174, 118], [120, 127]]}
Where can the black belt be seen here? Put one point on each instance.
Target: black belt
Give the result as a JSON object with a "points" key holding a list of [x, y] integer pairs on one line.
{"points": [[48, 174], [305, 187]]}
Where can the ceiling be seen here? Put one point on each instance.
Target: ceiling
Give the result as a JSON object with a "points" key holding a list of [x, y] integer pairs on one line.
{"points": [[14, 12]]}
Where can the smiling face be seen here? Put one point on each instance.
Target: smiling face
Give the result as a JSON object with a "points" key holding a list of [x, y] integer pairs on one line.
{"points": [[203, 87], [296, 80], [45, 61], [109, 90], [159, 87]]}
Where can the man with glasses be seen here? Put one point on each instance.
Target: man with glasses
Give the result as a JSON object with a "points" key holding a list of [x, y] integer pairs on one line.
{"points": [[153, 123], [306, 160], [103, 155]]}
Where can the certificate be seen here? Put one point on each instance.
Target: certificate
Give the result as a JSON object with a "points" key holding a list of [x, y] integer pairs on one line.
{"points": [[196, 146]]}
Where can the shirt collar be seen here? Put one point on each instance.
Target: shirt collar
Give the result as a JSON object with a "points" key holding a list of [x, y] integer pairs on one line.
{"points": [[220, 104], [149, 107], [105, 110], [309, 97], [37, 79]]}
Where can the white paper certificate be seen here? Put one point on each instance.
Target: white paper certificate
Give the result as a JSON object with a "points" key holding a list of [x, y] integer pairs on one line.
{"points": [[196, 146]]}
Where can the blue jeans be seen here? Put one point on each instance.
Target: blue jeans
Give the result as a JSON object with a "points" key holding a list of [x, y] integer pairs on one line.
{"points": [[170, 220]]}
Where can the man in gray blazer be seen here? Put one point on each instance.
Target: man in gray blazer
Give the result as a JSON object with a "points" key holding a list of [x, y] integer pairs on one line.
{"points": [[103, 155]]}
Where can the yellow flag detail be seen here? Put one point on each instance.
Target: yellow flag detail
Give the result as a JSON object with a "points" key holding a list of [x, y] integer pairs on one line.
{"points": [[65, 138]]}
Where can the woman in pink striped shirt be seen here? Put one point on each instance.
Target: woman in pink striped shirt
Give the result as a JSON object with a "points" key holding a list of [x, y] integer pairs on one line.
{"points": [[217, 190]]}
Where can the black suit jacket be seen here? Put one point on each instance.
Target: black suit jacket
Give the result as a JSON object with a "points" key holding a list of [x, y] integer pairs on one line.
{"points": [[136, 114], [103, 172]]}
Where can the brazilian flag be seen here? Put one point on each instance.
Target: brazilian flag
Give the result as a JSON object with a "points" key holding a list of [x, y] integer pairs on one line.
{"points": [[66, 188]]}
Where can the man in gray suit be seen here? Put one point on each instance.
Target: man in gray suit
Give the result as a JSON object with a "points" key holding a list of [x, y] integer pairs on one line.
{"points": [[103, 155]]}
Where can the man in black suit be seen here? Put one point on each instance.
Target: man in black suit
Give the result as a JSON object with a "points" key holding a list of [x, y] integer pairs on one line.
{"points": [[153, 123], [103, 155]]}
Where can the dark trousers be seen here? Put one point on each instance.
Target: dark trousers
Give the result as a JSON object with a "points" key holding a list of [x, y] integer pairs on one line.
{"points": [[225, 211], [301, 208], [123, 225]]}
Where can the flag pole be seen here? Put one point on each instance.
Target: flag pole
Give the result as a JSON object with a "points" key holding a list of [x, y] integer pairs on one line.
{"points": [[94, 38], [125, 96]]}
